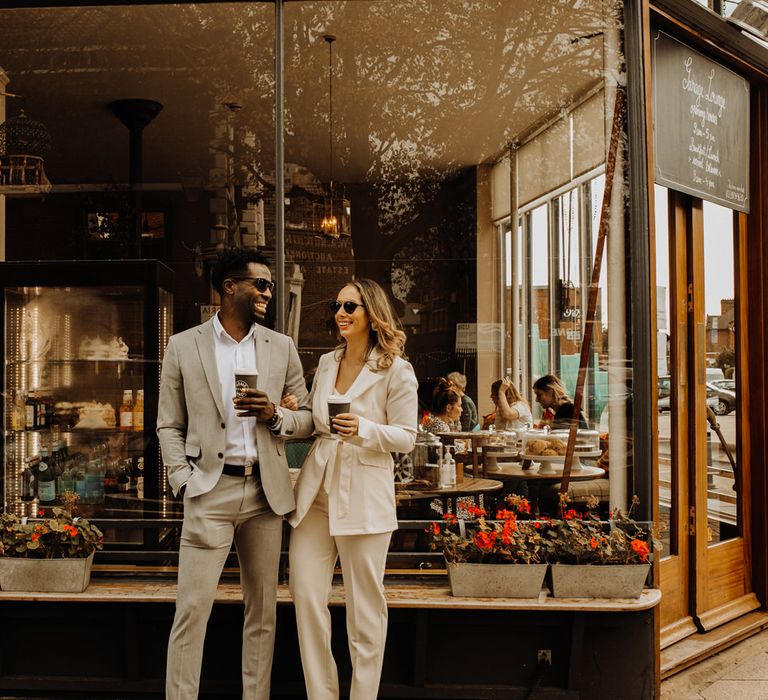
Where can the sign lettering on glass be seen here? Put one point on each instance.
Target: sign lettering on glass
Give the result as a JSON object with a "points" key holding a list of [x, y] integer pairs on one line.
{"points": [[701, 125]]}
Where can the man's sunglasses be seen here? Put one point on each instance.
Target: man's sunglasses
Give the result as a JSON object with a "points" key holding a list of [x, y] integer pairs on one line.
{"points": [[260, 283], [349, 306]]}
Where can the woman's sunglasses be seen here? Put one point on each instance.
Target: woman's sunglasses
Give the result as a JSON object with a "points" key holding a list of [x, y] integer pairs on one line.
{"points": [[349, 306], [260, 283]]}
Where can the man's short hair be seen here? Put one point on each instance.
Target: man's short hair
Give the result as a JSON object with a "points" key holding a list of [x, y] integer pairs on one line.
{"points": [[234, 261]]}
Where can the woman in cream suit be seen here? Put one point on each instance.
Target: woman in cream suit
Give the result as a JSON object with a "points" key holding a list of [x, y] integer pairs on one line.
{"points": [[345, 497]]}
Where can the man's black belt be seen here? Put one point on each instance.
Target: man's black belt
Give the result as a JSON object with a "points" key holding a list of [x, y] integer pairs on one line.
{"points": [[240, 470]]}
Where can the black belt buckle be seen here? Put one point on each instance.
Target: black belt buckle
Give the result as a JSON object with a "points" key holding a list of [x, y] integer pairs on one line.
{"points": [[241, 470]]}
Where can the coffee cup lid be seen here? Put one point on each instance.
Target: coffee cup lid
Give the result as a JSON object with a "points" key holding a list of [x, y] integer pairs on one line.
{"points": [[335, 398]]}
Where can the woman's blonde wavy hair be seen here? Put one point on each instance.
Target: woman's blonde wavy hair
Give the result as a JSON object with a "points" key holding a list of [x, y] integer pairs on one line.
{"points": [[386, 334]]}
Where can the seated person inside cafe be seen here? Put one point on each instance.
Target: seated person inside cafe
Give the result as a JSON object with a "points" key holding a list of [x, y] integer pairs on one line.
{"points": [[552, 396], [446, 409], [512, 410], [458, 383]]}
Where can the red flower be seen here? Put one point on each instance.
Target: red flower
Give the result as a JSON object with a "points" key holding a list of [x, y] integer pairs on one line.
{"points": [[594, 543], [504, 514], [476, 511], [571, 514], [641, 549], [450, 517], [485, 540], [41, 512], [524, 506], [435, 529], [35, 536]]}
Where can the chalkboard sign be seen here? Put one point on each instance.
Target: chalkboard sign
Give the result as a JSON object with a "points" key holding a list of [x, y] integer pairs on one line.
{"points": [[701, 125]]}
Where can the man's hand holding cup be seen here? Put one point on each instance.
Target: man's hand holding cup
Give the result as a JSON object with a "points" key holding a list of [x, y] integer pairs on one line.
{"points": [[251, 402]]}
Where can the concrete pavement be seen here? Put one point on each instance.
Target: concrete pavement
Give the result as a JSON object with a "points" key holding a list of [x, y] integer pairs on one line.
{"points": [[738, 673]]}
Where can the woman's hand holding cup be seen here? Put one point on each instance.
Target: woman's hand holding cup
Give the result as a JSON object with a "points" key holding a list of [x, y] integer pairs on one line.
{"points": [[345, 424]]}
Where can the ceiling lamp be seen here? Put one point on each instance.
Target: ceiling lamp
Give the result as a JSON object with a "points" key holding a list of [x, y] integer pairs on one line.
{"points": [[336, 208]]}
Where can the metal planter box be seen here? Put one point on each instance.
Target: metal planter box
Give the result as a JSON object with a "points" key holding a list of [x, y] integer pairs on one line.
{"points": [[496, 580], [45, 575], [598, 581]]}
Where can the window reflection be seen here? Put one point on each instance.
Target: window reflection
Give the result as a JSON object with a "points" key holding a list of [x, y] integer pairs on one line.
{"points": [[722, 436]]}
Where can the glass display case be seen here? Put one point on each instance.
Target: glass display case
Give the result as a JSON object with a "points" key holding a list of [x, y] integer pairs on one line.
{"points": [[82, 347]]}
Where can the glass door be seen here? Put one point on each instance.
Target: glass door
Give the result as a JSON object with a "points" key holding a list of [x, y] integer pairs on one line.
{"points": [[702, 442]]}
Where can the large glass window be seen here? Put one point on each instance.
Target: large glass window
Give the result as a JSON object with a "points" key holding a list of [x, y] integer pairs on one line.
{"points": [[397, 127]]}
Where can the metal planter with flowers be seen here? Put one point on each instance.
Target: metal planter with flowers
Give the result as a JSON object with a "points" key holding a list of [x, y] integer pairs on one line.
{"points": [[592, 559], [47, 555], [492, 559]]}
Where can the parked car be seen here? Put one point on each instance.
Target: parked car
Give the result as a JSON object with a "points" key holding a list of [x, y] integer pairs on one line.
{"points": [[725, 398], [719, 404], [729, 384]]}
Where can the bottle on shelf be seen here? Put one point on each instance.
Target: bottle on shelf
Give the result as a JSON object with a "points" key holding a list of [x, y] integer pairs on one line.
{"points": [[28, 484], [46, 480], [138, 411], [94, 483], [30, 412], [78, 476], [67, 479], [18, 411], [140, 477], [54, 463], [41, 419], [123, 480], [110, 479], [126, 411]]}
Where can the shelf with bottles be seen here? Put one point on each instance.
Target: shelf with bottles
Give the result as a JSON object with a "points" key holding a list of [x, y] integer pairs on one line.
{"points": [[37, 410], [49, 478]]}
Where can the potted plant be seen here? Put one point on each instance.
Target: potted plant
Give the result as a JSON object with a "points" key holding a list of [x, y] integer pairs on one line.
{"points": [[593, 559], [51, 554], [485, 558]]}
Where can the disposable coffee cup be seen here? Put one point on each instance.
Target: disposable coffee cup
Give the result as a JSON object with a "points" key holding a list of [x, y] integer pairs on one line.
{"points": [[336, 405], [245, 378]]}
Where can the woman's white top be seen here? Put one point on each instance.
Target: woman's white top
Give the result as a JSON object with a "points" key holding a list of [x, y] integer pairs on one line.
{"points": [[523, 420]]}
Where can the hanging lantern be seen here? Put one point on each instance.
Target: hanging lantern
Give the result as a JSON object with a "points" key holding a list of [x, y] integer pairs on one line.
{"points": [[24, 143]]}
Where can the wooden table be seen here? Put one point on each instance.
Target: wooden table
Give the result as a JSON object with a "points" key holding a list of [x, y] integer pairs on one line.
{"points": [[468, 487], [514, 470]]}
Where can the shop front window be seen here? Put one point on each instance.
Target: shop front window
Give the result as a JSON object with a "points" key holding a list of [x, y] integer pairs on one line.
{"points": [[400, 127]]}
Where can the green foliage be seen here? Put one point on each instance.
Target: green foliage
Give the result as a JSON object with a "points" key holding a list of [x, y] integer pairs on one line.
{"points": [[58, 537]]}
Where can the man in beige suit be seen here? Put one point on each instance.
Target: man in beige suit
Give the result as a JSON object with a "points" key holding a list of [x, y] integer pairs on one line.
{"points": [[224, 458]]}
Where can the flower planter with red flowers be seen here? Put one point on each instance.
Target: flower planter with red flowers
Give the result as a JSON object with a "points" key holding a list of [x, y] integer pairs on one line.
{"points": [[47, 555], [593, 559], [492, 559]]}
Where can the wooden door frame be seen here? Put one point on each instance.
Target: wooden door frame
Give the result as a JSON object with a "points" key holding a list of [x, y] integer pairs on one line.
{"points": [[756, 318], [718, 595], [676, 619]]}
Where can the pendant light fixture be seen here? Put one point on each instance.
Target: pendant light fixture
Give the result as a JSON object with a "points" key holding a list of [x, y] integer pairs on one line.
{"points": [[335, 207]]}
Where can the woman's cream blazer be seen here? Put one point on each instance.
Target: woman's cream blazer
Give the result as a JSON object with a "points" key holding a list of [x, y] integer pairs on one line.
{"points": [[357, 472]]}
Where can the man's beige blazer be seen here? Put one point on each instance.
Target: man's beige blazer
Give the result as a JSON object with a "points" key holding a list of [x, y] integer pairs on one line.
{"points": [[190, 416]]}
